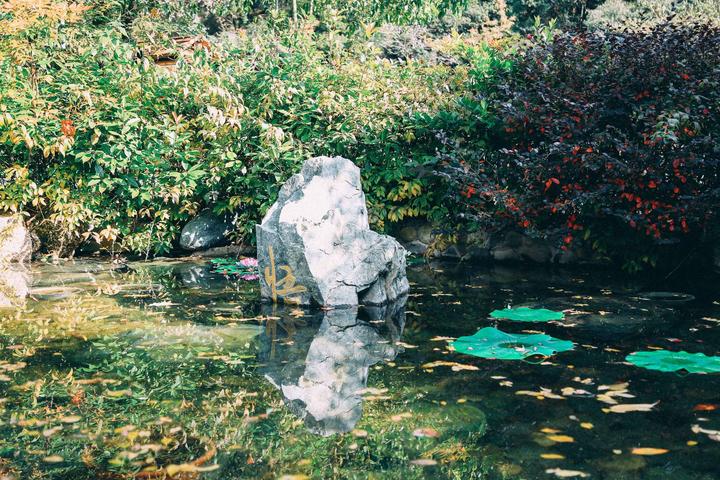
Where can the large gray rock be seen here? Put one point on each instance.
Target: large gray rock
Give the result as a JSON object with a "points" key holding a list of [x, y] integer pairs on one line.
{"points": [[321, 366], [207, 230], [15, 241], [315, 244]]}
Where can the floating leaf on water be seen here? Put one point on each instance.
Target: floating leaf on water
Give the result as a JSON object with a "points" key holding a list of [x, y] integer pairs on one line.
{"points": [[648, 451], [542, 394], [119, 393], [570, 391], [49, 432], [426, 433], [561, 438], [492, 343], [561, 473], [246, 269], [400, 416], [455, 367], [668, 361], [53, 459], [587, 425], [698, 429], [70, 419], [632, 407], [552, 456], [525, 314], [705, 407]]}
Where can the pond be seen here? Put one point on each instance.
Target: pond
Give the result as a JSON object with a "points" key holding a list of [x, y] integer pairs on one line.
{"points": [[164, 369]]}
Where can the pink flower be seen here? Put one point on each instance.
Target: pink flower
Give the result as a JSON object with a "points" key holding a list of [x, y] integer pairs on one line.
{"points": [[250, 277], [248, 262]]}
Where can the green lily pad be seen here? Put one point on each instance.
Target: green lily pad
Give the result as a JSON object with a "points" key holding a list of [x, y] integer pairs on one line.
{"points": [[667, 361], [246, 268], [525, 314], [493, 343]]}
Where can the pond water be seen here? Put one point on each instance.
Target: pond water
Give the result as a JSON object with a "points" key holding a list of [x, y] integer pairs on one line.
{"points": [[166, 370]]}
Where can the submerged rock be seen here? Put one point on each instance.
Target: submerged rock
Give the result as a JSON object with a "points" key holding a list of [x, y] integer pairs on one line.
{"points": [[322, 371], [15, 241], [207, 230], [315, 243]]}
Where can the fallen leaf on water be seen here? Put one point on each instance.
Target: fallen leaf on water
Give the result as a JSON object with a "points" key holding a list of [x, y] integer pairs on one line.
{"points": [[455, 367], [372, 391], [49, 432], [569, 391], [606, 399], [173, 470], [632, 407], [424, 462], [405, 345], [53, 459], [561, 473], [118, 393], [442, 339], [400, 416], [426, 433], [552, 456], [705, 407], [561, 438], [70, 419], [360, 433], [93, 381], [542, 394], [587, 425], [615, 387], [294, 477], [699, 429], [691, 443], [549, 430], [648, 451]]}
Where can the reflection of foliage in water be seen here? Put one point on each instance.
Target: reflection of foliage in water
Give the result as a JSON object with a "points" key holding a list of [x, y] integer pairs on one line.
{"points": [[109, 381]]}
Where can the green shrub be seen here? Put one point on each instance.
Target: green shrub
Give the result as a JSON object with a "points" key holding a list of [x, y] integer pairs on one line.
{"points": [[97, 140], [607, 138]]}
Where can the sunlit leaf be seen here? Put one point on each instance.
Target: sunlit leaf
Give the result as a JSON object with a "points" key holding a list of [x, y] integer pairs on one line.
{"points": [[648, 451]]}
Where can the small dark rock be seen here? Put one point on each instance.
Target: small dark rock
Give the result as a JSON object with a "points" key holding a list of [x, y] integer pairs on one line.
{"points": [[207, 230]]}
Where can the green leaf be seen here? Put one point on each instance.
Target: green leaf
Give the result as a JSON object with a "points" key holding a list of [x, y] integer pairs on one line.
{"points": [[668, 361], [525, 314], [493, 343]]}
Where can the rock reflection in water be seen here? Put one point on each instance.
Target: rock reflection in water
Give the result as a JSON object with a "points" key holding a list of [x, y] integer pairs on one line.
{"points": [[14, 281], [321, 363]]}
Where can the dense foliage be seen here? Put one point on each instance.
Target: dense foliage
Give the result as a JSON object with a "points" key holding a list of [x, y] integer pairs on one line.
{"points": [[607, 137], [96, 139], [119, 120]]}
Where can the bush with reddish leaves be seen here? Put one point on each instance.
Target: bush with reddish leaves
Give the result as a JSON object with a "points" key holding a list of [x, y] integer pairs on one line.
{"points": [[610, 138]]}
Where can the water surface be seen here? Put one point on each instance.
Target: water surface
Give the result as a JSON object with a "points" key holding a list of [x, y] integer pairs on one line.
{"points": [[165, 367]]}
